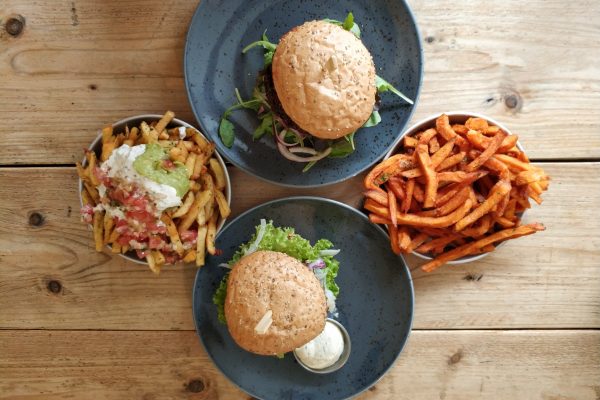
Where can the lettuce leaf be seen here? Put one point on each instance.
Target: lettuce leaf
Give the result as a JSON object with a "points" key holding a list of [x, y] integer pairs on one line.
{"points": [[284, 240]]}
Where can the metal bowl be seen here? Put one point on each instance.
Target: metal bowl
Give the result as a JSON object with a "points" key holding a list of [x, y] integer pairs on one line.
{"points": [[343, 357], [456, 117], [96, 146]]}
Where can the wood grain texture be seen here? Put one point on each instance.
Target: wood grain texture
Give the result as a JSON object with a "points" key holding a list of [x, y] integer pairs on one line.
{"points": [[82, 64], [548, 280], [546, 365]]}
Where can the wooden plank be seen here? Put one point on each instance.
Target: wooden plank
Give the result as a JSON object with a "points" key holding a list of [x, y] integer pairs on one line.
{"points": [[80, 65], [547, 280], [532, 65], [446, 365], [108, 365]]}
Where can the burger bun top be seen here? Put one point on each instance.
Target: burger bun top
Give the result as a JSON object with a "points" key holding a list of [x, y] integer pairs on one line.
{"points": [[325, 79], [273, 290]]}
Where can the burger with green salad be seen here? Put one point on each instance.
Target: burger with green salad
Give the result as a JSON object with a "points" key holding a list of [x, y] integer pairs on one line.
{"points": [[317, 88], [279, 290]]}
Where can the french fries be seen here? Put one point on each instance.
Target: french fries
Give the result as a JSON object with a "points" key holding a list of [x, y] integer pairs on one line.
{"points": [[454, 191], [188, 230]]}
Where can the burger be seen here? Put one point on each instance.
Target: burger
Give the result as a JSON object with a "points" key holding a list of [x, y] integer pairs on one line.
{"points": [[322, 80], [274, 303], [279, 291], [317, 89]]}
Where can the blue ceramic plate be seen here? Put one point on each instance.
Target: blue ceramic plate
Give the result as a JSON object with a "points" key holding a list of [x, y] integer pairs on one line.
{"points": [[214, 67], [375, 302]]}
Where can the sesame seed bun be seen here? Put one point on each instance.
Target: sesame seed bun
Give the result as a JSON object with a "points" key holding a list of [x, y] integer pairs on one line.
{"points": [[274, 284], [325, 79]]}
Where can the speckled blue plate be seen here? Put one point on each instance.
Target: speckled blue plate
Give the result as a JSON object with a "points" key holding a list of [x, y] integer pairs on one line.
{"points": [[214, 66], [375, 302]]}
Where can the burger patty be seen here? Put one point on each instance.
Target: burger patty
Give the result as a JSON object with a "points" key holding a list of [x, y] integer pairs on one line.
{"points": [[274, 103]]}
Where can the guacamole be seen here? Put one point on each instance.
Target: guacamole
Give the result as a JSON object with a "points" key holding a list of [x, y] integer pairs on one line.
{"points": [[151, 165]]}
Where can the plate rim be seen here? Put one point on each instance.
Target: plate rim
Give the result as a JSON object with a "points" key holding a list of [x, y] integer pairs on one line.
{"points": [[370, 164], [323, 200]]}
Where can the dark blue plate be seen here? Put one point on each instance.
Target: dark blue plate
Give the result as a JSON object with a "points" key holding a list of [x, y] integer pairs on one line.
{"points": [[375, 302], [214, 67]]}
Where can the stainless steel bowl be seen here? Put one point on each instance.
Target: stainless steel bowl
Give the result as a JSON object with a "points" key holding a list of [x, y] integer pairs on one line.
{"points": [[456, 117], [343, 357], [119, 126]]}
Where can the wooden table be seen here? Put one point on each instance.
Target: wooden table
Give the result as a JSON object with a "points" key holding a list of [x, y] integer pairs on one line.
{"points": [[522, 323]]}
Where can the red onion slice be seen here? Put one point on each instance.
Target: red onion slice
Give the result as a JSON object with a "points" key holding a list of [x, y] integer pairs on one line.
{"points": [[304, 150], [281, 139], [293, 157]]}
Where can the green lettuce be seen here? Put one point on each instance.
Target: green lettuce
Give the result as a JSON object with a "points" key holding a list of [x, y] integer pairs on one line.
{"points": [[284, 240]]}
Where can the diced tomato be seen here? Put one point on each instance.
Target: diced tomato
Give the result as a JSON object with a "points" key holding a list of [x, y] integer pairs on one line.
{"points": [[156, 242], [137, 202], [118, 195], [124, 239], [171, 258], [141, 216], [87, 213], [101, 175], [87, 209], [168, 165], [189, 236], [154, 228], [142, 254], [121, 226]]}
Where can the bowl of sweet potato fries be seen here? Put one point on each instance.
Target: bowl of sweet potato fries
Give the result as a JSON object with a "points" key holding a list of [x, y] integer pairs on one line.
{"points": [[453, 188], [126, 215]]}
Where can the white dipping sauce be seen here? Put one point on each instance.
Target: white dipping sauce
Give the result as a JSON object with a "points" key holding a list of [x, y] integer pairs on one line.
{"points": [[324, 350]]}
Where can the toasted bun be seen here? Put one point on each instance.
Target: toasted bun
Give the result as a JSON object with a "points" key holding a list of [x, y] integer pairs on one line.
{"points": [[268, 280], [325, 79]]}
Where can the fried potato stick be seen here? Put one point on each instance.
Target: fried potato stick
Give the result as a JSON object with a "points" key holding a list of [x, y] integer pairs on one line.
{"points": [[430, 176], [416, 220], [487, 153], [173, 233], [500, 189]]}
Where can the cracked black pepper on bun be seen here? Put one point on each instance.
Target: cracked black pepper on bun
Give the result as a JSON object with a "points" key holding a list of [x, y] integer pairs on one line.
{"points": [[325, 79], [274, 303]]}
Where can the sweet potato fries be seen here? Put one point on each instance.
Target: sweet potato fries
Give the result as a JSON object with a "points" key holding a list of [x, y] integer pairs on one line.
{"points": [[454, 191]]}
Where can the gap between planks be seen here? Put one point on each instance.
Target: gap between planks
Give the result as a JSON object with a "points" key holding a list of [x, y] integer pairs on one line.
{"points": [[449, 330], [532, 160]]}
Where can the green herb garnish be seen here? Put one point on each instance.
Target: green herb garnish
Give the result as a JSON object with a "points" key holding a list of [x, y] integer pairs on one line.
{"points": [[348, 24], [384, 86], [373, 120]]}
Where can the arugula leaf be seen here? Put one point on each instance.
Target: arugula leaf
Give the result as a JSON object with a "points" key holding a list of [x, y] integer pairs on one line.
{"points": [[266, 126], [264, 43], [226, 132], [267, 45], [268, 58], [308, 166], [384, 86], [348, 24], [373, 120], [343, 148], [226, 128]]}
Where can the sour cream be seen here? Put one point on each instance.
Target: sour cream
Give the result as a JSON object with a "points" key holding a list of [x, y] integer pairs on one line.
{"points": [[324, 350], [120, 166]]}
